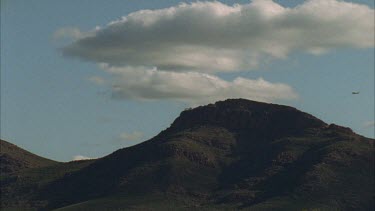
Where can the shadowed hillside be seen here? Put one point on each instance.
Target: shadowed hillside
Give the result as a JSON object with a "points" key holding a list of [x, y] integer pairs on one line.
{"points": [[234, 154], [14, 159], [22, 173]]}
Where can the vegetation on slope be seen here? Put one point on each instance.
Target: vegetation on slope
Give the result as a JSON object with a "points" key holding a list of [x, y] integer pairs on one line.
{"points": [[234, 154]]}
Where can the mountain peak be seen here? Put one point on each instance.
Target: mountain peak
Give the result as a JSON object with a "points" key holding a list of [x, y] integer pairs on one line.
{"points": [[234, 154], [242, 114]]}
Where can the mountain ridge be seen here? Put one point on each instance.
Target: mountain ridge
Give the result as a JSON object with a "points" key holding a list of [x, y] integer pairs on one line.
{"points": [[234, 154]]}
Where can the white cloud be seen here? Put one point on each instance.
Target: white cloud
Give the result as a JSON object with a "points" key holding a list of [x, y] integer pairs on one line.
{"points": [[174, 53], [192, 87], [369, 124], [97, 80], [80, 157], [68, 32], [213, 37], [133, 136]]}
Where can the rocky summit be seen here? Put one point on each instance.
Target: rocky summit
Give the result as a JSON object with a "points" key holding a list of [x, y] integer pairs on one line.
{"points": [[234, 154]]}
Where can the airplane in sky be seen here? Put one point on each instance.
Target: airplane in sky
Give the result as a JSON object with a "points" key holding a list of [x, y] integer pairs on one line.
{"points": [[355, 93]]}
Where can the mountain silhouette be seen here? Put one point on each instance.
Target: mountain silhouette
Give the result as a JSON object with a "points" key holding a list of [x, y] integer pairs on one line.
{"points": [[234, 154]]}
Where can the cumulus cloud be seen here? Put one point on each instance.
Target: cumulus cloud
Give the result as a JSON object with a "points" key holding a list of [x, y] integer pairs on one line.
{"points": [[133, 136], [80, 157], [175, 53], [212, 37], [191, 87]]}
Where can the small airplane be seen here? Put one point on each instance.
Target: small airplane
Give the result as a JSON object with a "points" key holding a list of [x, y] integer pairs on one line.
{"points": [[355, 93]]}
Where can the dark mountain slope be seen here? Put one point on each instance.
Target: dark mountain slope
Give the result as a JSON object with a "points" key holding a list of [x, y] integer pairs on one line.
{"points": [[14, 159], [23, 173], [228, 155]]}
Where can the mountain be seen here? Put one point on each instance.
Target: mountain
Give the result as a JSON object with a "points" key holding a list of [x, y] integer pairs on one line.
{"points": [[22, 173], [234, 154], [14, 159]]}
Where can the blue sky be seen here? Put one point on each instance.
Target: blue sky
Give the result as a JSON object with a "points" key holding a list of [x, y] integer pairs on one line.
{"points": [[56, 101]]}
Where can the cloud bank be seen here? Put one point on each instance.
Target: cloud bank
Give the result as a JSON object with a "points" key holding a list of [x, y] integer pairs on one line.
{"points": [[191, 87], [215, 37], [176, 52]]}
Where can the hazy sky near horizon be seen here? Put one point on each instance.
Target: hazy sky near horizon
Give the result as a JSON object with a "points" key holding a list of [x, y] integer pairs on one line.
{"points": [[84, 78]]}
